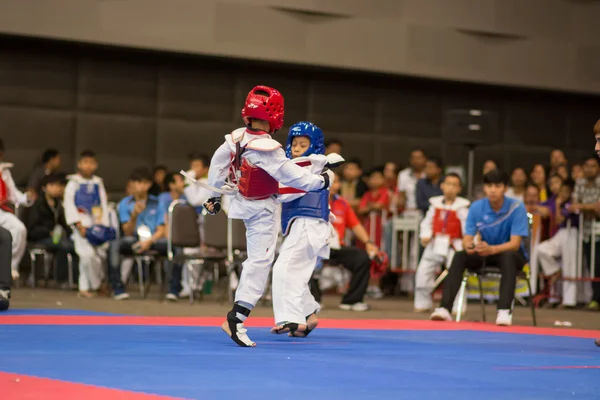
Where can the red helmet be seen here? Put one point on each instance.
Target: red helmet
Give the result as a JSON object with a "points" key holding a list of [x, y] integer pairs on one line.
{"points": [[379, 265], [267, 106]]}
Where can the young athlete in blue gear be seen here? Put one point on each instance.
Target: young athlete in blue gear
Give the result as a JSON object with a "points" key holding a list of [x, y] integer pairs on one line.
{"points": [[306, 228]]}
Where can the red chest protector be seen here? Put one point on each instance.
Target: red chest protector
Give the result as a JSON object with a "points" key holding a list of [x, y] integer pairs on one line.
{"points": [[447, 222], [4, 204], [253, 183]]}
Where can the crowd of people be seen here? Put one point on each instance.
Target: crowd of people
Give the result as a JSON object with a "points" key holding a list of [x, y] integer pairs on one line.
{"points": [[62, 213]]}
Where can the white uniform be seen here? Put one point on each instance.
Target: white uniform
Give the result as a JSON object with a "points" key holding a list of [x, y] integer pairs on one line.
{"points": [[259, 216], [91, 258], [306, 241], [10, 221], [434, 256], [563, 246]]}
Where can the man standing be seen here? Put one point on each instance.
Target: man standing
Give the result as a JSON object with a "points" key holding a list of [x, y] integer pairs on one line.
{"points": [[5, 262]]}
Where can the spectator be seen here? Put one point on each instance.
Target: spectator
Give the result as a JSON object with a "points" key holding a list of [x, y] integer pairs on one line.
{"points": [[576, 172], [135, 211], [429, 186], [390, 173], [554, 184], [175, 186], [495, 232], [333, 146], [488, 165], [518, 180], [407, 181], [557, 158], [85, 206], [531, 198], [373, 210], [563, 171], [197, 195], [5, 267], [46, 224], [9, 196], [586, 197], [355, 260], [50, 165], [562, 245], [158, 184], [441, 235], [538, 177], [353, 187]]}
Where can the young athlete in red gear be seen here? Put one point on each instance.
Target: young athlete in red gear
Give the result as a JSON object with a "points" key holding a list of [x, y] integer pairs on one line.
{"points": [[249, 166]]}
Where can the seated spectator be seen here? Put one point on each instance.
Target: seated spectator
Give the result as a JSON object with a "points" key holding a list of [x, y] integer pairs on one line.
{"points": [[441, 235], [531, 198], [429, 186], [563, 172], [538, 178], [576, 172], [390, 173], [47, 226], [495, 232], [586, 200], [356, 260], [138, 210], [488, 165], [50, 165], [518, 181], [158, 180], [175, 186], [554, 184], [562, 246], [195, 194], [353, 187], [373, 211]]}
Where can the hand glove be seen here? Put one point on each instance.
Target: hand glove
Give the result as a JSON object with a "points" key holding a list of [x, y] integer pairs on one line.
{"points": [[213, 203], [334, 160]]}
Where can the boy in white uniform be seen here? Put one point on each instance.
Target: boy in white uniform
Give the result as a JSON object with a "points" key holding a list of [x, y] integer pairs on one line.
{"points": [[86, 209], [249, 167], [441, 234], [306, 228], [10, 195]]}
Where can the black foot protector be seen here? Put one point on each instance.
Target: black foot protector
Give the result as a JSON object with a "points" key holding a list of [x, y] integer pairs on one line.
{"points": [[288, 327], [234, 327], [4, 300], [311, 324]]}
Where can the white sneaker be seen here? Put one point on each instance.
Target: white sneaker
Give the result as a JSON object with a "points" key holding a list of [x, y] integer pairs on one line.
{"points": [[374, 292], [15, 274], [504, 318], [354, 307], [121, 296], [185, 293], [440, 314], [171, 297]]}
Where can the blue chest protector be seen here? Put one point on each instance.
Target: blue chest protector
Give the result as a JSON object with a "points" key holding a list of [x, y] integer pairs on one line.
{"points": [[87, 196], [311, 205]]}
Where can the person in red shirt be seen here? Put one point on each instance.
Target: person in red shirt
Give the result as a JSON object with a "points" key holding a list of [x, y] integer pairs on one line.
{"points": [[356, 260], [374, 205]]}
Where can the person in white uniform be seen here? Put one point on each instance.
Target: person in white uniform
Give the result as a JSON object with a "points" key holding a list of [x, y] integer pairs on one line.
{"points": [[86, 209], [9, 196], [441, 234], [306, 230], [249, 167]]}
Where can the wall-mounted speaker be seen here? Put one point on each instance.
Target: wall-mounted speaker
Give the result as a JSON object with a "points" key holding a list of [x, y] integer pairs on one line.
{"points": [[471, 127]]}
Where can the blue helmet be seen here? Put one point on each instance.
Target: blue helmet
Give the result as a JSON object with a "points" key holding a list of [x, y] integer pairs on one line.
{"points": [[99, 234], [309, 130]]}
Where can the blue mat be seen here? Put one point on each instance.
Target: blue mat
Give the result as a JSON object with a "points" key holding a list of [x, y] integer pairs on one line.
{"points": [[201, 363]]}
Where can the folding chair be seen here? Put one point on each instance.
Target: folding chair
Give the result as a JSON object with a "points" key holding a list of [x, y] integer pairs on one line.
{"points": [[492, 270]]}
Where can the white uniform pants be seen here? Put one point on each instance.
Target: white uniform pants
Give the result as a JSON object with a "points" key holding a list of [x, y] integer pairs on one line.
{"points": [[18, 231], [292, 300], [91, 262], [563, 246], [425, 277], [261, 239]]}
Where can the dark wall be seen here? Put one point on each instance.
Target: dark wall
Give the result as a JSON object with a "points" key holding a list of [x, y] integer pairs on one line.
{"points": [[138, 108]]}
